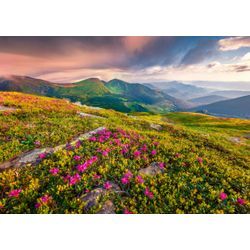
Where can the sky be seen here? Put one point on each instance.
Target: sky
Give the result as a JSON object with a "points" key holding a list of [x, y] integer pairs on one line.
{"points": [[134, 59]]}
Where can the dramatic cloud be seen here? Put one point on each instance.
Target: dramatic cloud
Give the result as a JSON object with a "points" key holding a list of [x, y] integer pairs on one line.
{"points": [[200, 53], [67, 59], [234, 43]]}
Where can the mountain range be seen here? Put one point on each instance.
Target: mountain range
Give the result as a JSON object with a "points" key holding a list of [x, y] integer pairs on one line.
{"points": [[237, 107], [133, 97], [115, 94]]}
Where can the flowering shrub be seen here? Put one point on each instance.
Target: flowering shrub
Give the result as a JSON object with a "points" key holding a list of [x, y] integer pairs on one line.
{"points": [[198, 174], [55, 185]]}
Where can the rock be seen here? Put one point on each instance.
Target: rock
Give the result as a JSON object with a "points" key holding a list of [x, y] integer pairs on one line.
{"points": [[58, 148], [157, 127], [235, 139], [87, 135], [33, 155], [6, 165], [89, 115], [107, 208], [247, 136], [94, 197], [3, 108], [152, 170]]}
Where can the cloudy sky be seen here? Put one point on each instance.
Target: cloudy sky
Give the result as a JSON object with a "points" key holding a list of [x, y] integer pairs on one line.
{"points": [[135, 59]]}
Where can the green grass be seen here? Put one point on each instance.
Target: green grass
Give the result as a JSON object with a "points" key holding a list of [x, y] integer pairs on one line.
{"points": [[186, 185]]}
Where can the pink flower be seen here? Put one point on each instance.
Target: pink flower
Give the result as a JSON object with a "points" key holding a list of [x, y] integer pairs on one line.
{"points": [[15, 193], [45, 198], [74, 179], [37, 205], [137, 153], [42, 155], [125, 180], [126, 211], [153, 152], [200, 160], [37, 143], [77, 158], [124, 151], [144, 147], [93, 138], [148, 193], [105, 153], [78, 144], [177, 155], [128, 175], [69, 146], [93, 159], [107, 185], [161, 165], [223, 196], [54, 171], [139, 179], [241, 201], [82, 167], [96, 176]]}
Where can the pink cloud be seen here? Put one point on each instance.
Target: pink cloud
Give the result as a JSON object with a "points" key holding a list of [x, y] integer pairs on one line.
{"points": [[234, 43]]}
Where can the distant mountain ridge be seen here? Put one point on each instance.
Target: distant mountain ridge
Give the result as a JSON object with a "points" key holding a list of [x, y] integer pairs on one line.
{"points": [[238, 107], [207, 99], [128, 97], [180, 90]]}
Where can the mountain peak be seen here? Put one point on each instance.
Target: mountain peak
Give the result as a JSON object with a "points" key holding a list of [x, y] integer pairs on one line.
{"points": [[91, 79]]}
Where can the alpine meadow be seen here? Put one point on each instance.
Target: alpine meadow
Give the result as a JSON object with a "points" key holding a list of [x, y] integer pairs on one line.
{"points": [[124, 125]]}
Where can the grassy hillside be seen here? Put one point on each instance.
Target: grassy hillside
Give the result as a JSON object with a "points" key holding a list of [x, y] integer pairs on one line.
{"points": [[84, 89], [198, 170]]}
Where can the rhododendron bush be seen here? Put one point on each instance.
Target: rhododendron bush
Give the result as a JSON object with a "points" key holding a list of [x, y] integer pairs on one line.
{"points": [[196, 174]]}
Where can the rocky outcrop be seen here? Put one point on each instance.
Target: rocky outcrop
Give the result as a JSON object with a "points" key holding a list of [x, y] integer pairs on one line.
{"points": [[33, 157], [95, 197], [157, 127], [89, 115], [3, 108], [153, 169]]}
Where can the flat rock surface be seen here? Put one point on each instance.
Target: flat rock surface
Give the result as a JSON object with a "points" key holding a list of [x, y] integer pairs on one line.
{"points": [[33, 155], [94, 197], [151, 170], [157, 127], [89, 115], [3, 108], [235, 139]]}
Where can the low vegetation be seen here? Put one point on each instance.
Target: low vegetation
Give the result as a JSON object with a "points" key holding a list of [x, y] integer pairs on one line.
{"points": [[197, 167]]}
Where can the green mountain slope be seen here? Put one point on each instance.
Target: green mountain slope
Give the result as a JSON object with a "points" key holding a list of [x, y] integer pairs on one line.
{"points": [[116, 94]]}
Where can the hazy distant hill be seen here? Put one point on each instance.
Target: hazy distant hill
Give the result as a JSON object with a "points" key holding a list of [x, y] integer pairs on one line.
{"points": [[204, 100], [230, 93], [238, 107], [180, 90]]}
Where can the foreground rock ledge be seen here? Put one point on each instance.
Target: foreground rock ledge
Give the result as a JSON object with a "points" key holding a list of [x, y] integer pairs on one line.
{"points": [[94, 199], [151, 170], [32, 157]]}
